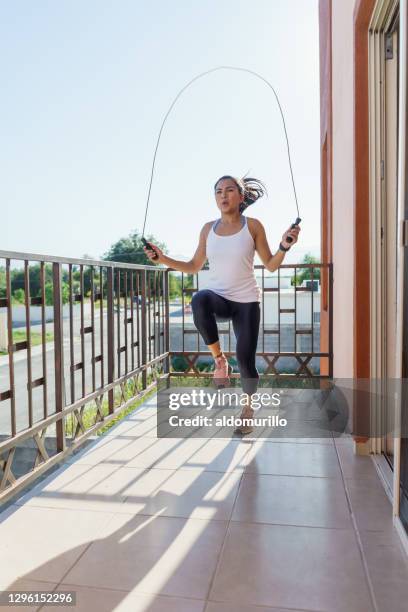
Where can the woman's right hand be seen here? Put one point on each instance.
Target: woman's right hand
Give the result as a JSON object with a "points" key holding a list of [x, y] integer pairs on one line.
{"points": [[149, 253]]}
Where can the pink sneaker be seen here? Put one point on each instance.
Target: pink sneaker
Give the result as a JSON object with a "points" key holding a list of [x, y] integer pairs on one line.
{"points": [[221, 371]]}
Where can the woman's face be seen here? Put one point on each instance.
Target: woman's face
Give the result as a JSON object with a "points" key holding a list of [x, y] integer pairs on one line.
{"points": [[227, 196]]}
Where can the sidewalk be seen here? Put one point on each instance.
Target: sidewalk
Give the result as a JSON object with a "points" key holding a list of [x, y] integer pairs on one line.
{"points": [[138, 523]]}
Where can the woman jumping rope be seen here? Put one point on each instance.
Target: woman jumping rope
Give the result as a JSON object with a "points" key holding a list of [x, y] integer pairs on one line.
{"points": [[231, 291]]}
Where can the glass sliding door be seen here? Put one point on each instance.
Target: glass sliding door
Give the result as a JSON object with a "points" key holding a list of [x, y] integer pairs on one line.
{"points": [[390, 226]]}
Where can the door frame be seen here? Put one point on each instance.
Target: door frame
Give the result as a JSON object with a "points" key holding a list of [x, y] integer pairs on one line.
{"points": [[382, 20], [382, 16], [402, 195]]}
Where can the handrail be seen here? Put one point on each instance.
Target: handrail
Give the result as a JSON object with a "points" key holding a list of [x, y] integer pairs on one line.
{"points": [[75, 261]]}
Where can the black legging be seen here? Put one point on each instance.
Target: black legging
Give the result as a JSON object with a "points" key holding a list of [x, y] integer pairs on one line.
{"points": [[245, 318]]}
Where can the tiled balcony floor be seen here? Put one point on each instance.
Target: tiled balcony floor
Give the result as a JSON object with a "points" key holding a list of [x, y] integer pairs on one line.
{"points": [[138, 523]]}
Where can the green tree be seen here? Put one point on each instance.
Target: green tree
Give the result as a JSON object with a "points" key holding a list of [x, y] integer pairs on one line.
{"points": [[306, 273], [19, 296], [174, 285], [49, 296], [189, 283], [34, 271], [2, 282], [130, 249], [87, 277]]}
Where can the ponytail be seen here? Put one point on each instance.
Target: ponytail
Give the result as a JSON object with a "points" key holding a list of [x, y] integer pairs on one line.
{"points": [[251, 188]]}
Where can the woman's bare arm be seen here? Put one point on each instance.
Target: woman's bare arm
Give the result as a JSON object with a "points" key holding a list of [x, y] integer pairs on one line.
{"points": [[270, 261], [196, 262]]}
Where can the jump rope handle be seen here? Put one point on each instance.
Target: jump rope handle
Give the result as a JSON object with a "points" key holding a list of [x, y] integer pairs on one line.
{"points": [[149, 246], [298, 220]]}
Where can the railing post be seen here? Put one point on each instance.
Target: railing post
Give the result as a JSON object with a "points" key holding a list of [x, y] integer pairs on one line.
{"points": [[167, 362], [144, 331], [58, 354], [10, 349], [110, 339], [331, 320]]}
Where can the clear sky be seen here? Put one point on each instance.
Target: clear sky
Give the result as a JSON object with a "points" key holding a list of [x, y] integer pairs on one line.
{"points": [[86, 84]]}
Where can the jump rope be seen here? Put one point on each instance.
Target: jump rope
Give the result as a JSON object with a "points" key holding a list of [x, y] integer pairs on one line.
{"points": [[199, 76]]}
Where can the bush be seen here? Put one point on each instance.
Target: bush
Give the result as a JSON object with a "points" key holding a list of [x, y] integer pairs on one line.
{"points": [[19, 296], [306, 274], [49, 295], [179, 364]]}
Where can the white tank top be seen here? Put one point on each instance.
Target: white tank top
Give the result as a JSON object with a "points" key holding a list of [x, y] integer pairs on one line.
{"points": [[231, 262]]}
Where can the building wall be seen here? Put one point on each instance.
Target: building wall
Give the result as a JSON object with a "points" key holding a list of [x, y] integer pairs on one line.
{"points": [[326, 232], [342, 185], [349, 172]]}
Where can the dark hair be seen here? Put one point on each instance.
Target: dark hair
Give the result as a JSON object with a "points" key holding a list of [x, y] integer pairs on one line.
{"points": [[251, 188]]}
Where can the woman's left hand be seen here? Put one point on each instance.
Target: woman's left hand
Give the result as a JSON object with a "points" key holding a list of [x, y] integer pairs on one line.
{"points": [[294, 233]]}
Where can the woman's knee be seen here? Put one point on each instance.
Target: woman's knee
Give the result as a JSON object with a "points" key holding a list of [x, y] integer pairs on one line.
{"points": [[200, 300], [203, 317]]}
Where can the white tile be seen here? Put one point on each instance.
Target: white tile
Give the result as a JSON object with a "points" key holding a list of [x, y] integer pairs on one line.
{"points": [[167, 556], [43, 543]]}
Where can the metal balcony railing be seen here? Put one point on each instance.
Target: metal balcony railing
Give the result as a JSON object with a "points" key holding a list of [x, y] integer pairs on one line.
{"points": [[83, 340], [292, 318]]}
